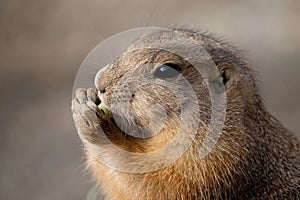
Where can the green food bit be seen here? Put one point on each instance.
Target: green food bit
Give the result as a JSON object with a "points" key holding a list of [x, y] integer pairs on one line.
{"points": [[105, 110]]}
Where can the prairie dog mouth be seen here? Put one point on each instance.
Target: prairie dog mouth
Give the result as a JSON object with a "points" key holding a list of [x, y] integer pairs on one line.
{"points": [[102, 105], [119, 108]]}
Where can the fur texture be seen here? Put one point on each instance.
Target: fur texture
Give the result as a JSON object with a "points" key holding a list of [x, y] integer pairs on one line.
{"points": [[255, 157]]}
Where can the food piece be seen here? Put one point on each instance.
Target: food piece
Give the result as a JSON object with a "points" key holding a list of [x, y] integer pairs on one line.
{"points": [[106, 111]]}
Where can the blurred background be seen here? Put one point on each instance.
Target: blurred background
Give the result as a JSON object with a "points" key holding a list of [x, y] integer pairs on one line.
{"points": [[42, 44]]}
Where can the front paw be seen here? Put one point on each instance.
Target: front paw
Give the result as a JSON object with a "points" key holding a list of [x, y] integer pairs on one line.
{"points": [[86, 114]]}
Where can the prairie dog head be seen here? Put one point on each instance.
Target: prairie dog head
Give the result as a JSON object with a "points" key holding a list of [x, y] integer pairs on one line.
{"points": [[155, 92], [163, 84]]}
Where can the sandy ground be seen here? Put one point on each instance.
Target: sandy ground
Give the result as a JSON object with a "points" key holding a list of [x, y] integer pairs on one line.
{"points": [[44, 42]]}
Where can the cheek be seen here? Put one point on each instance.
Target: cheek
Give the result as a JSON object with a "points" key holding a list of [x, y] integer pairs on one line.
{"points": [[140, 109], [156, 118], [146, 106]]}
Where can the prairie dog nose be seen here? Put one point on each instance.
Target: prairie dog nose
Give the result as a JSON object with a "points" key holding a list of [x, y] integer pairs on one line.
{"points": [[100, 81]]}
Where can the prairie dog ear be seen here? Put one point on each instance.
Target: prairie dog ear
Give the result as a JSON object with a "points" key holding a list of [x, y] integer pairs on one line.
{"points": [[224, 75], [227, 76], [230, 66], [229, 72]]}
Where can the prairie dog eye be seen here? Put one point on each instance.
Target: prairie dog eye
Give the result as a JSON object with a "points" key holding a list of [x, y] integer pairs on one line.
{"points": [[167, 71]]}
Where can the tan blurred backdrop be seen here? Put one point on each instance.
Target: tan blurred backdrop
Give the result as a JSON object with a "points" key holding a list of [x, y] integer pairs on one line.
{"points": [[42, 44]]}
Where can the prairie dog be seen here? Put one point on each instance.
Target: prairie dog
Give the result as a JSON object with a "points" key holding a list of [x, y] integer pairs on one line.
{"points": [[255, 157]]}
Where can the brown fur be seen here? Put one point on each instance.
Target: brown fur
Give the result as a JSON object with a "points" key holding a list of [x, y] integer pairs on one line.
{"points": [[254, 158]]}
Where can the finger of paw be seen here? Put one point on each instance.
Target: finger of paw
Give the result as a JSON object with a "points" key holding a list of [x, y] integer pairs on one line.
{"points": [[91, 94], [75, 105], [80, 94], [92, 106]]}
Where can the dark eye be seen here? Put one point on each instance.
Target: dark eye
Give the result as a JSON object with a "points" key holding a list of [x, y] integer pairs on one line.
{"points": [[167, 71]]}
